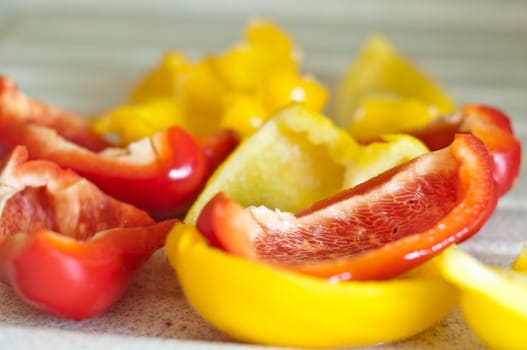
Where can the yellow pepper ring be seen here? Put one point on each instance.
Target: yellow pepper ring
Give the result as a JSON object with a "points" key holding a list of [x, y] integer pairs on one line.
{"points": [[259, 304]]}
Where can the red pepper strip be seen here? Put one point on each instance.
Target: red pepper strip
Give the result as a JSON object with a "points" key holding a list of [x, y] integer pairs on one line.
{"points": [[16, 105], [66, 247], [492, 127], [376, 230], [161, 175]]}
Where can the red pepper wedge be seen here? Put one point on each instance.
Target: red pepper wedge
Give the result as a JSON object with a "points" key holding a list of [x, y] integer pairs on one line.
{"points": [[376, 230], [66, 247], [492, 126], [161, 174], [14, 105]]}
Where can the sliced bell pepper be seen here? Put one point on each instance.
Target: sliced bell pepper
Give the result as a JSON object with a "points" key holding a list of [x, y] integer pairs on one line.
{"points": [[237, 90], [297, 158], [15, 105], [256, 303], [380, 114], [376, 230], [492, 299], [380, 72], [489, 124], [66, 247], [161, 174]]}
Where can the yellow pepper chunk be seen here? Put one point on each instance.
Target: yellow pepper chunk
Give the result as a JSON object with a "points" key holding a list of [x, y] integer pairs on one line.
{"points": [[162, 81], [133, 122], [243, 114], [492, 299], [266, 49], [377, 72], [380, 114], [281, 88], [259, 304], [520, 264], [201, 96], [237, 90], [299, 157]]}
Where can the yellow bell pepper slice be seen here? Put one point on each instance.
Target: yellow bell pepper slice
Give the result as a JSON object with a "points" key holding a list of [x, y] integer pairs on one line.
{"points": [[258, 304], [299, 157], [380, 114], [296, 158], [378, 80], [373, 159], [492, 300]]}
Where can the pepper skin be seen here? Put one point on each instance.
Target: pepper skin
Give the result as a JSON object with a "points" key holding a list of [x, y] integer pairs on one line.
{"points": [[66, 247], [492, 126], [161, 174]]}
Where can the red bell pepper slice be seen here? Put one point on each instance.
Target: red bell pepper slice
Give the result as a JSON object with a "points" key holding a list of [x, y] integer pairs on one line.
{"points": [[66, 247], [16, 106], [161, 174], [376, 230], [489, 124]]}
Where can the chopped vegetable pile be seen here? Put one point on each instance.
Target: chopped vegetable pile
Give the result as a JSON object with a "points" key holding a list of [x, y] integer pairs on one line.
{"points": [[284, 226]]}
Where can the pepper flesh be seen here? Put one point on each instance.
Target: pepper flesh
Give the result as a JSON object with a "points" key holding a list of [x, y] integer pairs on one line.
{"points": [[376, 230], [299, 157], [66, 247], [161, 174]]}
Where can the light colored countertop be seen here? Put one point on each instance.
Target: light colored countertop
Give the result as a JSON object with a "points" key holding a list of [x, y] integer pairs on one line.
{"points": [[84, 56]]}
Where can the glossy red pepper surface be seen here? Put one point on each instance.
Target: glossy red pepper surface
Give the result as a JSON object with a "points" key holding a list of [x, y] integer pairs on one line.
{"points": [[66, 247], [492, 126], [161, 174]]}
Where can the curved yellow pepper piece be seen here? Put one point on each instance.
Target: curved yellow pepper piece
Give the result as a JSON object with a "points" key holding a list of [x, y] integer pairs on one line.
{"points": [[520, 264], [493, 300], [260, 304], [381, 92], [299, 157]]}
